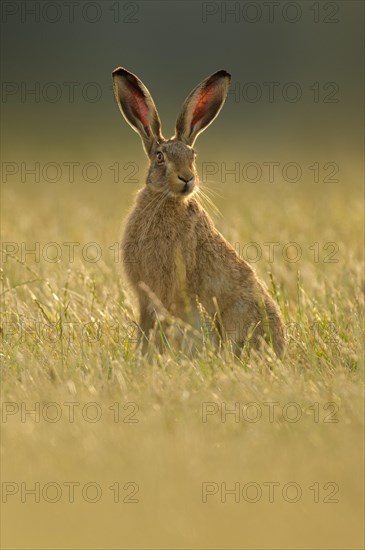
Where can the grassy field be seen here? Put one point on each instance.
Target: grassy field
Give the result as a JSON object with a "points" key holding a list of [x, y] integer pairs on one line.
{"points": [[159, 426]]}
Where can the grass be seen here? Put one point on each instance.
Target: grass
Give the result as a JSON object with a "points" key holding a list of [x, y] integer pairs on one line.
{"points": [[68, 330]]}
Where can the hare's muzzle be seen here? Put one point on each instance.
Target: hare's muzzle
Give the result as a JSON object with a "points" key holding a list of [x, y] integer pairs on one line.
{"points": [[187, 184]]}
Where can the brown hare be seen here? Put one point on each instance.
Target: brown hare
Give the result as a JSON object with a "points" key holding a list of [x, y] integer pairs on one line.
{"points": [[171, 248]]}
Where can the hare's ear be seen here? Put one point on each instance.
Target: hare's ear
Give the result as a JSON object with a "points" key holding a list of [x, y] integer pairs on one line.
{"points": [[137, 107], [202, 106]]}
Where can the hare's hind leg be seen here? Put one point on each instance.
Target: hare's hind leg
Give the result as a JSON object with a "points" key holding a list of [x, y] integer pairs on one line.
{"points": [[275, 326], [247, 321], [242, 324]]}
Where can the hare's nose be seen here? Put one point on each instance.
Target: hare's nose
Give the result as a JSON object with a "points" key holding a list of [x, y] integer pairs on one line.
{"points": [[188, 180]]}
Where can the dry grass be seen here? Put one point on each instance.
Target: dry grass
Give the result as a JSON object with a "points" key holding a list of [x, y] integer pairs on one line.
{"points": [[170, 451]]}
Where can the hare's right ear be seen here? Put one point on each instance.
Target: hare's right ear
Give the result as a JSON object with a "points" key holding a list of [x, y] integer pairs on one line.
{"points": [[137, 107], [202, 106]]}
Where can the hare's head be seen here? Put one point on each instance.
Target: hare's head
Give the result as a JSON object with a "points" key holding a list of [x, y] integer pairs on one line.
{"points": [[172, 162]]}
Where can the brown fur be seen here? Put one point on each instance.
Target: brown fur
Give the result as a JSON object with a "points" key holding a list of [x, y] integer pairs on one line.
{"points": [[172, 247]]}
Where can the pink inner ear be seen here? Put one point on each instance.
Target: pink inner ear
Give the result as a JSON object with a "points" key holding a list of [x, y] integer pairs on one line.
{"points": [[203, 101], [138, 103]]}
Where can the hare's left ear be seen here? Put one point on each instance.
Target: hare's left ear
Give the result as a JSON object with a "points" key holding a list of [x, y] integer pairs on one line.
{"points": [[202, 106]]}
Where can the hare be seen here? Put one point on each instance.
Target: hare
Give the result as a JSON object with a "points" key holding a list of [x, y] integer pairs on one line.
{"points": [[171, 248]]}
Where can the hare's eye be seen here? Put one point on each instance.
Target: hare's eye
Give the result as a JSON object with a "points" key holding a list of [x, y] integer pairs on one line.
{"points": [[160, 157]]}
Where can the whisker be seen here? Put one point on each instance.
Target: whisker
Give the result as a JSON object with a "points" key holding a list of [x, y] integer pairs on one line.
{"points": [[210, 203], [202, 201], [211, 191]]}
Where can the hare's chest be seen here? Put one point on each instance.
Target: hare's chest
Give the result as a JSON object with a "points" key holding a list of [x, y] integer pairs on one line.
{"points": [[160, 250], [169, 251]]}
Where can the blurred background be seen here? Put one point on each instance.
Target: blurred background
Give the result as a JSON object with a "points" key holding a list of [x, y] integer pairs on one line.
{"points": [[172, 46]]}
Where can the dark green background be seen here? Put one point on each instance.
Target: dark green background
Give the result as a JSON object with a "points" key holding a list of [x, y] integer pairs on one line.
{"points": [[171, 49]]}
